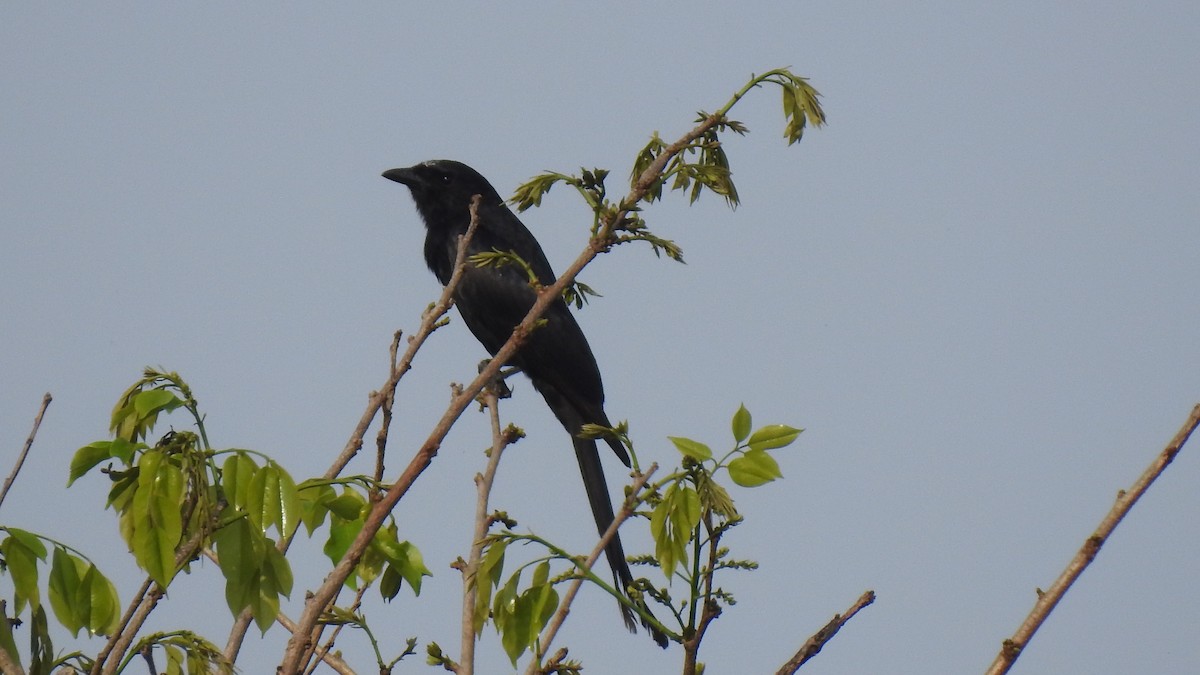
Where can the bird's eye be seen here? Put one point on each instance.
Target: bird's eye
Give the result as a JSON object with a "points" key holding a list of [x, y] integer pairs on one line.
{"points": [[445, 178]]}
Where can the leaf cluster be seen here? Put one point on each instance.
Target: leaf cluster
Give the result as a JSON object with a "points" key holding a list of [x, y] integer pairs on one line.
{"points": [[694, 164], [692, 511], [178, 499], [518, 615]]}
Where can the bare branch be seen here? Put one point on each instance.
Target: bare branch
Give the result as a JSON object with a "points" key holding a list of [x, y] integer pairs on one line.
{"points": [[813, 645], [37, 422], [1048, 599], [483, 483]]}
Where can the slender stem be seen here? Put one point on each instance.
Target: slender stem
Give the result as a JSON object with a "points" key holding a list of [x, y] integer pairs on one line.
{"points": [[37, 422], [813, 645], [1048, 599], [483, 483]]}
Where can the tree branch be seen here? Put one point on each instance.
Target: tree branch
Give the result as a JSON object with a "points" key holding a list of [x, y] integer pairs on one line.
{"points": [[37, 422], [483, 483], [813, 645], [1048, 599]]}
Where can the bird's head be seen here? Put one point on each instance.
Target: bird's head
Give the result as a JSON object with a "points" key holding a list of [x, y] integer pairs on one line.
{"points": [[442, 190]]}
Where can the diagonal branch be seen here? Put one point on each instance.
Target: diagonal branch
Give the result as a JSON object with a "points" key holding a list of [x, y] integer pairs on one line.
{"points": [[37, 422], [501, 439], [813, 645], [1048, 599]]}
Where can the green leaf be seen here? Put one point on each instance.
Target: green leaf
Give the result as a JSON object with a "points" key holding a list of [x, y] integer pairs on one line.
{"points": [[157, 522], [265, 608], [531, 192], [741, 424], [289, 503], [41, 649], [348, 505], [241, 549], [512, 622], [96, 602], [389, 583], [672, 524], [29, 540], [65, 573], [406, 559], [236, 475], [314, 501], [491, 567], [262, 503], [277, 571], [87, 458], [154, 401], [694, 449], [175, 659], [773, 436], [341, 535], [754, 468], [21, 560], [542, 598], [272, 500]]}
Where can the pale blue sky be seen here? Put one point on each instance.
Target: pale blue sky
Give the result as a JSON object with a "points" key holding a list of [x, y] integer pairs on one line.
{"points": [[976, 290]]}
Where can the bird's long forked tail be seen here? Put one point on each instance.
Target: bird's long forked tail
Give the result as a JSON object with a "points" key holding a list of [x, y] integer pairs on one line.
{"points": [[598, 497]]}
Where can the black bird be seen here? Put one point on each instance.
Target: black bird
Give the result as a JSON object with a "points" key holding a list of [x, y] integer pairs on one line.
{"points": [[493, 300]]}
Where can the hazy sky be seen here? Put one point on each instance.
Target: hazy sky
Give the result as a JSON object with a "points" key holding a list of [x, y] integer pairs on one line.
{"points": [[976, 289]]}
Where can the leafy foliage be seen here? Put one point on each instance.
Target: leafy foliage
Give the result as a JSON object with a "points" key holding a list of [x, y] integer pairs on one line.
{"points": [[175, 500]]}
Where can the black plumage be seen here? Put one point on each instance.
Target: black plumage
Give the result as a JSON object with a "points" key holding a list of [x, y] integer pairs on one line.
{"points": [[493, 300]]}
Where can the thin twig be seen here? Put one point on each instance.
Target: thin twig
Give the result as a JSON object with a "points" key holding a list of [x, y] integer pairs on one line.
{"points": [[37, 422], [483, 484], [710, 610], [389, 399], [813, 645], [319, 652], [1048, 599], [564, 606], [332, 660]]}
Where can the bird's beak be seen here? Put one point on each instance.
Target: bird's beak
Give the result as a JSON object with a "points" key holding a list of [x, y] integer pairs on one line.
{"points": [[405, 176]]}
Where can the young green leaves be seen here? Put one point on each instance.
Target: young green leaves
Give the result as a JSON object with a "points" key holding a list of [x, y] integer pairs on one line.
{"points": [[675, 521], [749, 463], [695, 163], [80, 596]]}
